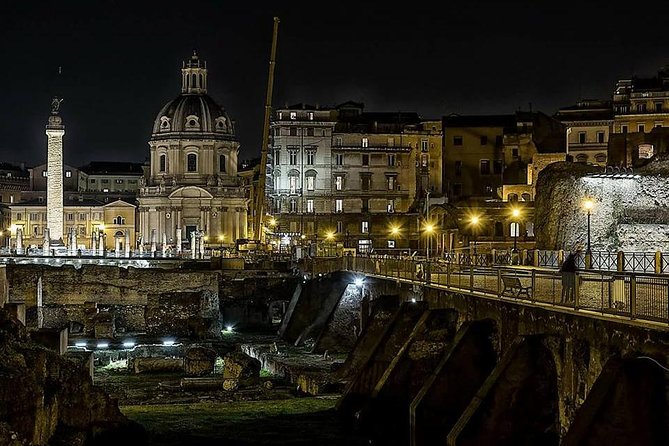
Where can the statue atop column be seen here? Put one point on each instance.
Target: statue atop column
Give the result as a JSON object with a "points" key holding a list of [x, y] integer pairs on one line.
{"points": [[55, 105]]}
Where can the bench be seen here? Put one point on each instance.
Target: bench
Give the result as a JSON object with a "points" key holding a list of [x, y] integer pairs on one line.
{"points": [[513, 285]]}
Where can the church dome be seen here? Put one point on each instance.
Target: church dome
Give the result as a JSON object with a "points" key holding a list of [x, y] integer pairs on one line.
{"points": [[193, 111]]}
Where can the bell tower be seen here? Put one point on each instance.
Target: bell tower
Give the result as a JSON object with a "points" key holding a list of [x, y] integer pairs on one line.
{"points": [[194, 75]]}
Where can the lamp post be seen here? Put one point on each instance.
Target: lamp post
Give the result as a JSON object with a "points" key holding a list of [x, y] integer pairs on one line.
{"points": [[588, 204], [394, 232], [474, 221], [515, 213], [429, 229], [329, 237]]}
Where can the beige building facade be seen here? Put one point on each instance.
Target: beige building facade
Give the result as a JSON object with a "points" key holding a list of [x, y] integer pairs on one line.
{"points": [[192, 185]]}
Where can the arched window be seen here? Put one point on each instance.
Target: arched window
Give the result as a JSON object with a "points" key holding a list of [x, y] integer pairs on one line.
{"points": [[163, 163], [526, 197], [194, 81], [581, 158], [221, 163], [201, 81], [119, 220], [191, 162], [513, 197]]}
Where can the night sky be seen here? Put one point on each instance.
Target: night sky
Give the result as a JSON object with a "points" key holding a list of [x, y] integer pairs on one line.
{"points": [[121, 62]]}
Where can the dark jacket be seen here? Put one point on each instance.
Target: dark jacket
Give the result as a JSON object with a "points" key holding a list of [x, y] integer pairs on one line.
{"points": [[569, 264]]}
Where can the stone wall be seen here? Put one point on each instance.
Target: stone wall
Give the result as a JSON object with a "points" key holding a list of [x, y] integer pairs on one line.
{"points": [[137, 298], [631, 212]]}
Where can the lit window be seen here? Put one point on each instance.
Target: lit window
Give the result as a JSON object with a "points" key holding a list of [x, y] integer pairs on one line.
{"points": [[292, 181], [293, 206], [293, 115], [391, 206], [391, 243], [390, 181], [365, 142], [339, 205], [311, 116], [339, 182], [364, 227], [423, 160], [68, 174], [310, 206], [44, 173], [311, 180], [423, 145]]}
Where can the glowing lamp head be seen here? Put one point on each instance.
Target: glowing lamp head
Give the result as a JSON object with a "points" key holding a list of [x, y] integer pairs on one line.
{"points": [[229, 328], [205, 238], [515, 212], [329, 235], [475, 220], [221, 238], [394, 230], [168, 342], [429, 228], [272, 221], [588, 204], [359, 281], [103, 344], [101, 227], [80, 344], [128, 344]]}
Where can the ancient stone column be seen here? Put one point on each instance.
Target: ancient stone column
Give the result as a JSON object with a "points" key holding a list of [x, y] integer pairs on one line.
{"points": [[101, 243], [19, 241], [153, 242], [40, 312], [54, 186], [201, 244], [127, 242], [164, 245], [193, 244], [117, 246], [74, 241], [93, 242], [178, 234], [46, 245]]}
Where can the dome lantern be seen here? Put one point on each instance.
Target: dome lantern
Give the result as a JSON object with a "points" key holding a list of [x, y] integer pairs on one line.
{"points": [[194, 75]]}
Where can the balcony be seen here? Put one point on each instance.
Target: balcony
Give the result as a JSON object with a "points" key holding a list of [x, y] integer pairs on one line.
{"points": [[360, 148]]}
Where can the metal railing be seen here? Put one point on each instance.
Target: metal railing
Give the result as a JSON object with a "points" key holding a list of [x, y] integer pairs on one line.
{"points": [[633, 296]]}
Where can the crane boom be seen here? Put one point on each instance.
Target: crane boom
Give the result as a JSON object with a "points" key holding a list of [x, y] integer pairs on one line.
{"points": [[260, 197]]}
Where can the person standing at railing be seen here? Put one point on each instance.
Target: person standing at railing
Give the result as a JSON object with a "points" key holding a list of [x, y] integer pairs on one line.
{"points": [[568, 272]]}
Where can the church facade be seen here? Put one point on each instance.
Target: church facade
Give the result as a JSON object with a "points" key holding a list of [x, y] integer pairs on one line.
{"points": [[192, 185]]}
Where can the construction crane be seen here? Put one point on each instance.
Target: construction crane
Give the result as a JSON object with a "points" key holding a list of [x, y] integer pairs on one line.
{"points": [[260, 193]]}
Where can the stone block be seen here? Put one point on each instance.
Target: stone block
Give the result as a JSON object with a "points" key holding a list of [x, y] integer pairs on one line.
{"points": [[232, 263], [209, 383], [199, 361], [104, 324], [84, 358], [52, 338], [240, 366], [156, 365], [18, 310]]}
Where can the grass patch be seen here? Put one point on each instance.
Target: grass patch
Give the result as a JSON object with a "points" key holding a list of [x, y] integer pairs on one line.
{"points": [[297, 421]]}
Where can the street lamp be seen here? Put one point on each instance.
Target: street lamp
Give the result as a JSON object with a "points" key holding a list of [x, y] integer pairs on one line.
{"points": [[429, 229], [474, 221], [329, 237], [588, 204], [515, 213]]}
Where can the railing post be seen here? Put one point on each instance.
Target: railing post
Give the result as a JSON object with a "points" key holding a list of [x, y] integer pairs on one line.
{"points": [[499, 282], [620, 262], [588, 260], [494, 256], [471, 277], [448, 274], [633, 296], [560, 259], [577, 289], [535, 257], [534, 284], [428, 271], [658, 262]]}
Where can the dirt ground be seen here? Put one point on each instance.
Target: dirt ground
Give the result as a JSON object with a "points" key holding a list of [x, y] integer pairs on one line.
{"points": [[273, 412]]}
